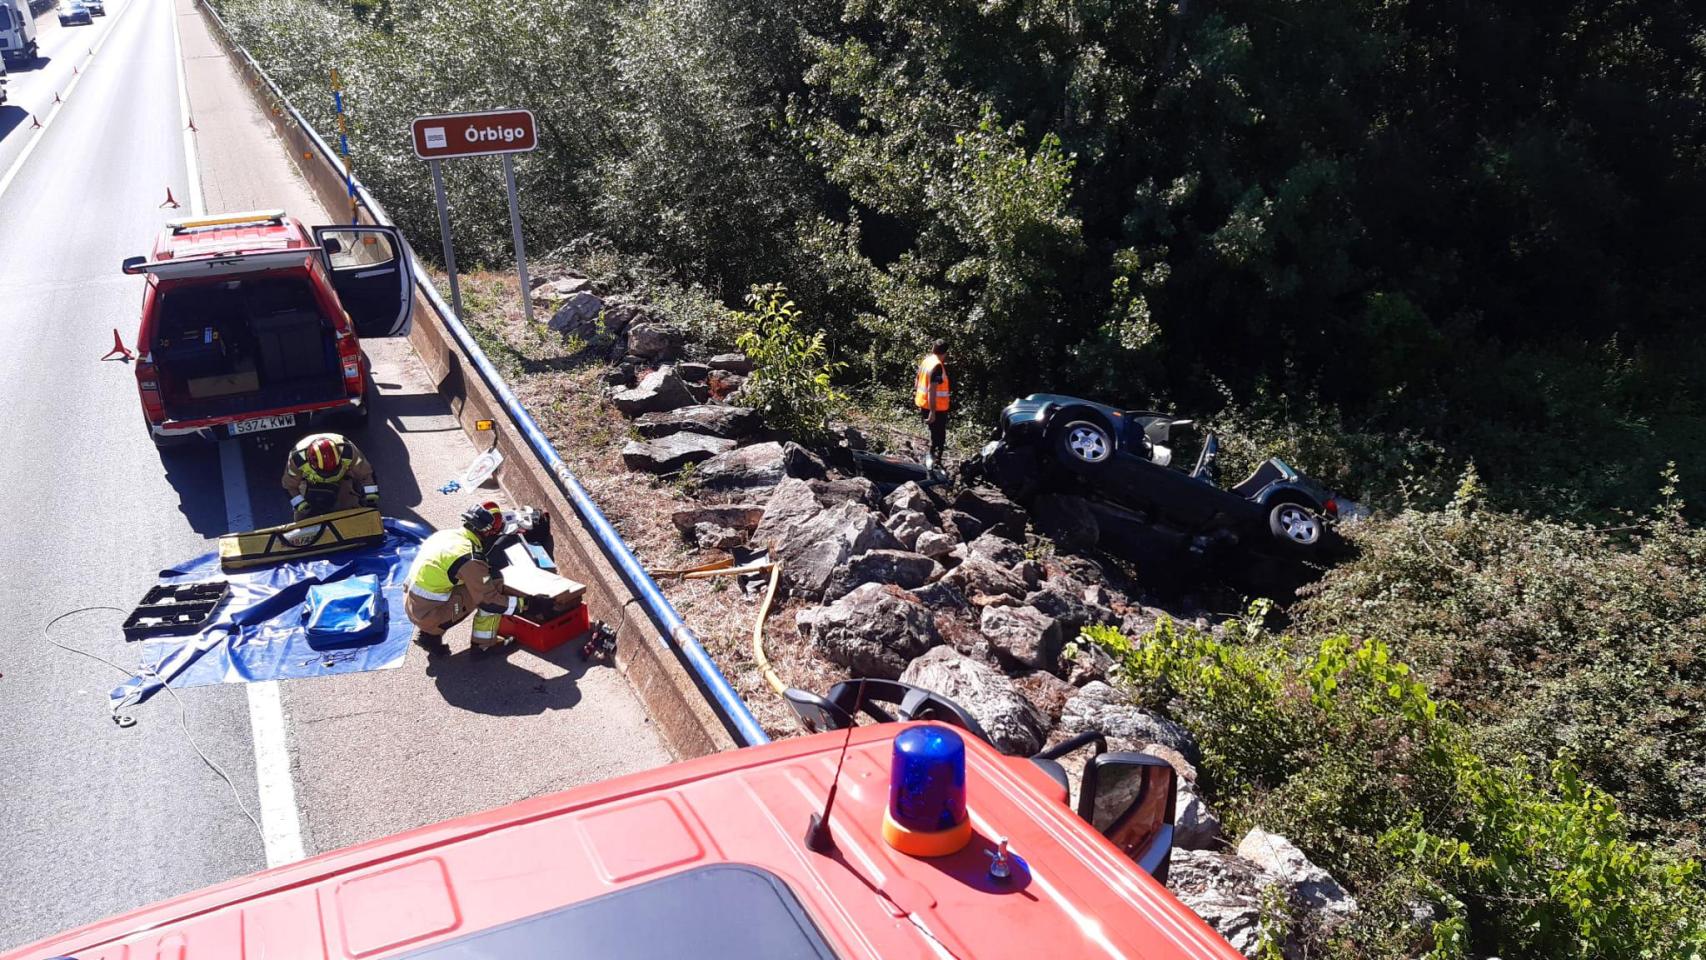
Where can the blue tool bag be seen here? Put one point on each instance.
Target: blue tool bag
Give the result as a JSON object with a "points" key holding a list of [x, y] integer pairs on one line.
{"points": [[345, 613]]}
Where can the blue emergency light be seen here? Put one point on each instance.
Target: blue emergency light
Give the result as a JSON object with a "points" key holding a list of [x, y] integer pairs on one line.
{"points": [[927, 816]]}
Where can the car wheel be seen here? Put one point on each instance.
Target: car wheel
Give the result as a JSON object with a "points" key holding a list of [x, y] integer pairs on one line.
{"points": [[1083, 442], [1296, 526]]}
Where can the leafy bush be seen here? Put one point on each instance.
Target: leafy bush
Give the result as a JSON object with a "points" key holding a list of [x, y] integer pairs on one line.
{"points": [[1339, 746], [1559, 640], [792, 377]]}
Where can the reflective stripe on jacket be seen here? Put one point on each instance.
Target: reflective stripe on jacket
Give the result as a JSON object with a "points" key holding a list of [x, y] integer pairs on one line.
{"points": [[440, 557], [928, 367]]}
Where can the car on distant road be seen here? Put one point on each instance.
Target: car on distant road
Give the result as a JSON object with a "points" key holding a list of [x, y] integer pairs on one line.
{"points": [[1130, 458], [74, 11], [96, 7], [253, 322]]}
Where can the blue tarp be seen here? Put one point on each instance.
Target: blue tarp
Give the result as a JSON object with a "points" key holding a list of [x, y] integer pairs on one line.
{"points": [[258, 633]]}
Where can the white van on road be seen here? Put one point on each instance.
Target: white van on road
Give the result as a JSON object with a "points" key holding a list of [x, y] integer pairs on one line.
{"points": [[17, 32]]}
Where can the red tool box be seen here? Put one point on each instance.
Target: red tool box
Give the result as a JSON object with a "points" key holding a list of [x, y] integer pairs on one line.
{"points": [[571, 624]]}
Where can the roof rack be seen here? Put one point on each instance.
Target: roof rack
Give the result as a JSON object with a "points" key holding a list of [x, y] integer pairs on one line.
{"points": [[251, 218]]}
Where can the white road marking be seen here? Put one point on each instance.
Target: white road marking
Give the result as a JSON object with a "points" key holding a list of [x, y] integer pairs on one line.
{"points": [[65, 97], [281, 823], [190, 163]]}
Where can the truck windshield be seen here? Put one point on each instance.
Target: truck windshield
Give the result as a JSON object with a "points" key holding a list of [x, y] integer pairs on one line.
{"points": [[720, 912]]}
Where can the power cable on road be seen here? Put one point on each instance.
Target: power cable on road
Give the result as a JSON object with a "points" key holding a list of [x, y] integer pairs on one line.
{"points": [[126, 721]]}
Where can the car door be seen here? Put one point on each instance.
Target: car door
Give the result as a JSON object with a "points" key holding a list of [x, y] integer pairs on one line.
{"points": [[372, 274]]}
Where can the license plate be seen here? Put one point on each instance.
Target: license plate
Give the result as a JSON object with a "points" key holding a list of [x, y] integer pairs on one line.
{"points": [[263, 423]]}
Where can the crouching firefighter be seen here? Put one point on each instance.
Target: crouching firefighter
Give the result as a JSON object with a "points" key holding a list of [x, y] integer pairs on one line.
{"points": [[452, 577], [326, 472]]}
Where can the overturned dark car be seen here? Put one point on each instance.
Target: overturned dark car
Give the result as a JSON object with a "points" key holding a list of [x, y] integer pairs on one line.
{"points": [[1161, 468]]}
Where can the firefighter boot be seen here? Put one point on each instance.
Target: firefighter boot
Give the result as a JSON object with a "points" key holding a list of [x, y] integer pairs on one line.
{"points": [[432, 643]]}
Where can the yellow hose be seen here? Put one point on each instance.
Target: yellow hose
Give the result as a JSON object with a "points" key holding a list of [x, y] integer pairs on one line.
{"points": [[724, 568], [758, 655]]}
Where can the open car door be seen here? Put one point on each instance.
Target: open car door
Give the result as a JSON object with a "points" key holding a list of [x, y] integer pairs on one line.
{"points": [[371, 271]]}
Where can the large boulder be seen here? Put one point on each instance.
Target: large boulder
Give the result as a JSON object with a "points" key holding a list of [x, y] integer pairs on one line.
{"points": [[714, 420], [1064, 603], [903, 569], [813, 550], [1225, 891], [1306, 883], [731, 363], [578, 316], [875, 631], [983, 582], [659, 390], [909, 496], [791, 503], [671, 453], [797, 461], [691, 371], [1013, 725], [1066, 520], [831, 492], [747, 468], [1195, 825], [710, 536], [655, 341], [553, 292], [998, 550], [932, 543], [943, 597], [1024, 636], [963, 526], [908, 525], [1101, 708], [734, 516], [993, 510]]}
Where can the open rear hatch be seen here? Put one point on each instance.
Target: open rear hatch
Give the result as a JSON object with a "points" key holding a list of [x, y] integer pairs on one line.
{"points": [[245, 344]]}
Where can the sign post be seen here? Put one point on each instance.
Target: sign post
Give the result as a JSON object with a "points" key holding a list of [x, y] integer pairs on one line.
{"points": [[500, 132], [444, 237]]}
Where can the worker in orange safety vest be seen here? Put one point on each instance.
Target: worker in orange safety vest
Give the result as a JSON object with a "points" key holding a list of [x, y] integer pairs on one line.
{"points": [[931, 395]]}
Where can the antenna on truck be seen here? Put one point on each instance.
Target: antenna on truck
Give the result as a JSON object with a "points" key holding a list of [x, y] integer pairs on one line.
{"points": [[818, 837]]}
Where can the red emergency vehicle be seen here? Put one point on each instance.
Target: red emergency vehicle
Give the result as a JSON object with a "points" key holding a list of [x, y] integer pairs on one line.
{"points": [[710, 860], [253, 322]]}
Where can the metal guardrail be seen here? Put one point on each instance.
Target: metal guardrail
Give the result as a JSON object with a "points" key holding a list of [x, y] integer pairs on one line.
{"points": [[735, 715]]}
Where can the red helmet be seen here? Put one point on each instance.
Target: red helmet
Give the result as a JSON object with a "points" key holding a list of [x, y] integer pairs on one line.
{"points": [[323, 456], [485, 521]]}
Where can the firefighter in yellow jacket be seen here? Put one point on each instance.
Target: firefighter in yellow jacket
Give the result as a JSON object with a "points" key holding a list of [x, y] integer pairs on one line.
{"points": [[452, 578], [326, 472], [931, 394]]}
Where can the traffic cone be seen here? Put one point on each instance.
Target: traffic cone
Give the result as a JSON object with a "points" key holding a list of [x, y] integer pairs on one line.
{"points": [[56, 97], [192, 126], [34, 123], [170, 202], [119, 350]]}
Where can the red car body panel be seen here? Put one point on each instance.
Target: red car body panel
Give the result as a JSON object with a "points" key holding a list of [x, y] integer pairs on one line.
{"points": [[1073, 896]]}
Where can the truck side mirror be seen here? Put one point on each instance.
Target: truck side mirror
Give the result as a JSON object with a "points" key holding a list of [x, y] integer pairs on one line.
{"points": [[133, 265], [332, 246], [1129, 797]]}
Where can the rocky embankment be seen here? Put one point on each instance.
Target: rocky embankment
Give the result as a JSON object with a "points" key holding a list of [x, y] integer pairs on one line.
{"points": [[954, 590]]}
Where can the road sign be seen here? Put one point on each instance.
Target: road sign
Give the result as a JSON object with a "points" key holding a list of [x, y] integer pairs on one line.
{"points": [[474, 134], [477, 135]]}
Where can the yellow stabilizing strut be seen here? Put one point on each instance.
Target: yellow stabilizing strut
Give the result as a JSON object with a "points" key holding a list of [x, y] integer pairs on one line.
{"points": [[300, 539]]}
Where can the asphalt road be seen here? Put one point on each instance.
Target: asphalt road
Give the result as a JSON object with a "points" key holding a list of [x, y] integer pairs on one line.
{"points": [[96, 819], [96, 815]]}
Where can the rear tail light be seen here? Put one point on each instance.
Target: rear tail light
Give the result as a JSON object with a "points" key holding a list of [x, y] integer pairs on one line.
{"points": [[148, 385], [1333, 508]]}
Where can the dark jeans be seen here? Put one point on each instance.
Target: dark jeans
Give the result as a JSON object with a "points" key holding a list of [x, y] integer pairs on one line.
{"points": [[938, 432]]}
